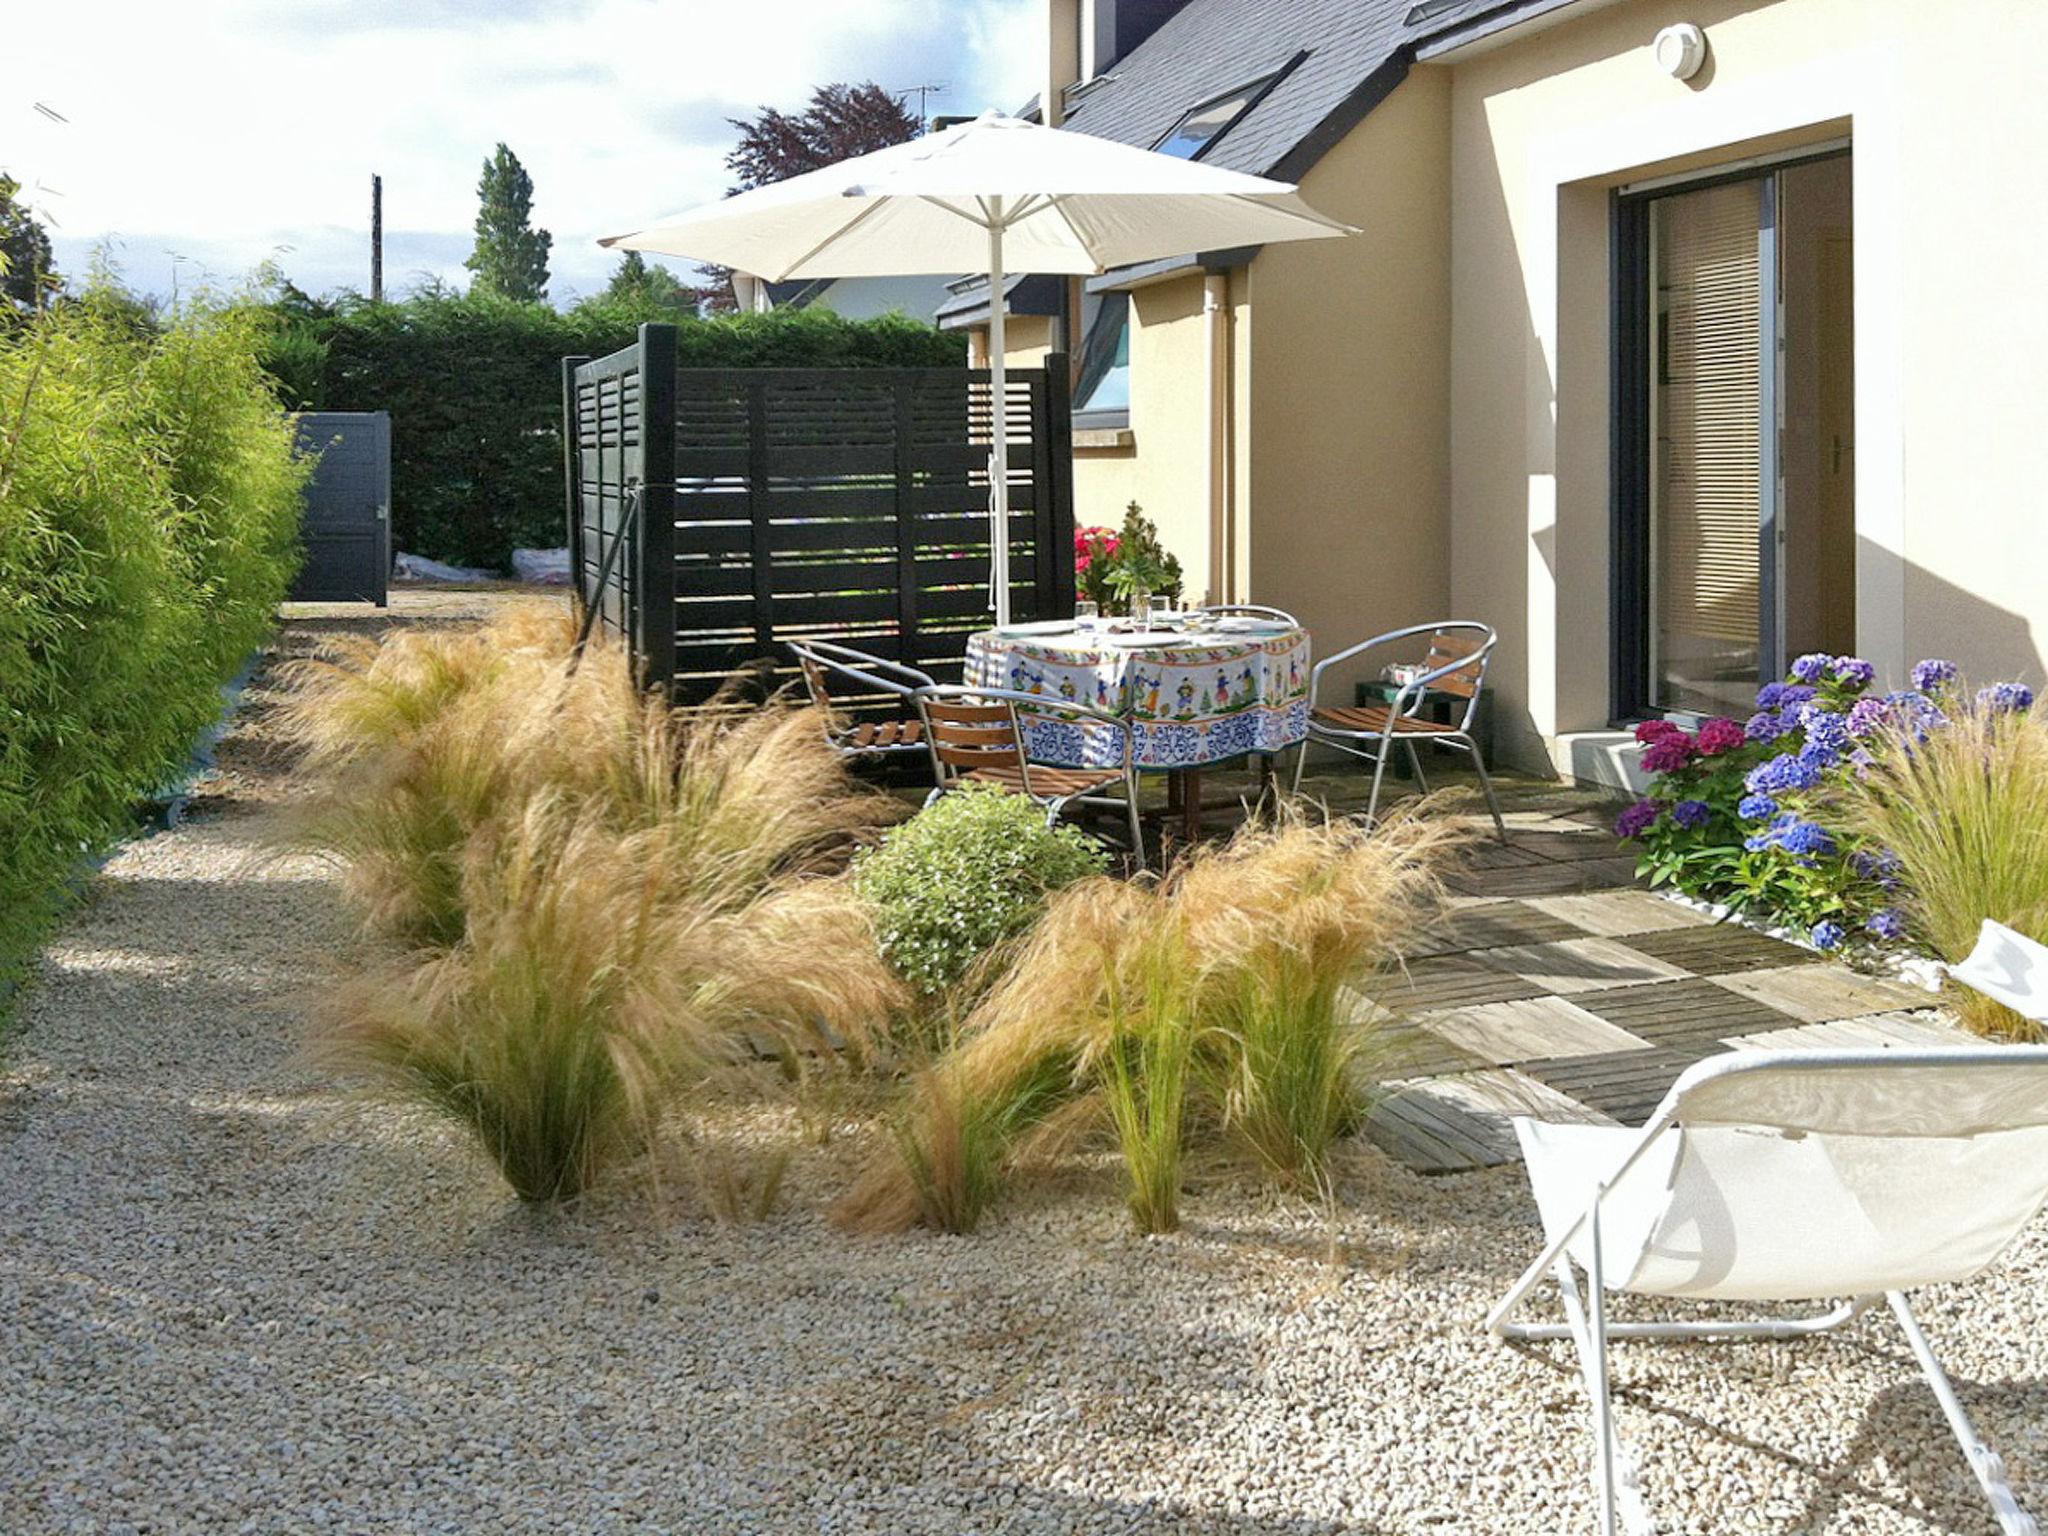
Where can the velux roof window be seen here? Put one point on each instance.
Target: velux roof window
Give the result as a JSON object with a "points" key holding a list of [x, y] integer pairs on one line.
{"points": [[1202, 126]]}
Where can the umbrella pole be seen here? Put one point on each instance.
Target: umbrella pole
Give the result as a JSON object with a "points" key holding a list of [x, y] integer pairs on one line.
{"points": [[999, 451]]}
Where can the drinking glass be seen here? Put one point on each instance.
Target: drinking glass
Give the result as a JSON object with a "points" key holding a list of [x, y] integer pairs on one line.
{"points": [[1141, 610], [1085, 614]]}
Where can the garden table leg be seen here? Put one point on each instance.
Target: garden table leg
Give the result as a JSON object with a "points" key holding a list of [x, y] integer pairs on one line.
{"points": [[1190, 780]]}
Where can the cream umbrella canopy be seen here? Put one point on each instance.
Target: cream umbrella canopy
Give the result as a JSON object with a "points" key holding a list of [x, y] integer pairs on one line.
{"points": [[996, 194]]}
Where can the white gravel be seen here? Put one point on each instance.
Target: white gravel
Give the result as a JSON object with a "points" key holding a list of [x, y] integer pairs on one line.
{"points": [[231, 1299]]}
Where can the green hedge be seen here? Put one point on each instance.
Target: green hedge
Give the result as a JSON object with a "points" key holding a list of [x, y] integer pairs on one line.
{"points": [[474, 387], [149, 507]]}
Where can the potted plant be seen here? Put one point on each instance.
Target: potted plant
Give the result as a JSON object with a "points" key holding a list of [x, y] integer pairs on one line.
{"points": [[1112, 568]]}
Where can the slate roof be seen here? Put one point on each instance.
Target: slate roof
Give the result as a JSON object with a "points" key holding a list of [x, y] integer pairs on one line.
{"points": [[1356, 51]]}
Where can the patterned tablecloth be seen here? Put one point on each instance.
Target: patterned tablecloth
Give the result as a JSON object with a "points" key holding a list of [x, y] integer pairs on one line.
{"points": [[1192, 699]]}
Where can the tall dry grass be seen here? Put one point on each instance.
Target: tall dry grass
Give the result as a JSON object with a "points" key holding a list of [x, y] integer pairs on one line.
{"points": [[1966, 813], [422, 746], [611, 905], [1218, 996]]}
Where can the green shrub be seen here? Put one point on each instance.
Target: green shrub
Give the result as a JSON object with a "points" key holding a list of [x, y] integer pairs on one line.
{"points": [[473, 383], [149, 507], [963, 876]]}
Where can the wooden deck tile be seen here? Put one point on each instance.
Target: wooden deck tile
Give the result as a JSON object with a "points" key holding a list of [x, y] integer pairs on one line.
{"points": [[1618, 914], [1489, 925], [1821, 994], [1530, 1029], [1896, 1030], [1627, 1085], [1579, 965], [1547, 878], [1454, 1124], [1449, 981], [1683, 1013], [1721, 948]]}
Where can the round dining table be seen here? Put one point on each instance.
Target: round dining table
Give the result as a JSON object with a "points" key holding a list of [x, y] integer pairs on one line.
{"points": [[1191, 696]]}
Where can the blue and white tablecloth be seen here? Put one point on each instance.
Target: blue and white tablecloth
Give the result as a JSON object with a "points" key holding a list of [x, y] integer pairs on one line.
{"points": [[1191, 699]]}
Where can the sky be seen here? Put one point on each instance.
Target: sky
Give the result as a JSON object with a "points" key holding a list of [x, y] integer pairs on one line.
{"points": [[200, 139]]}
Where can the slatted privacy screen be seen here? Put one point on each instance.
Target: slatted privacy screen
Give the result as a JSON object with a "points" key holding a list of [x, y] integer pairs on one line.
{"points": [[846, 504]]}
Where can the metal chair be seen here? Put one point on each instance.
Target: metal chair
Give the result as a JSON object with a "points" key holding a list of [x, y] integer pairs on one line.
{"points": [[1459, 650], [976, 736], [865, 739], [1249, 611]]}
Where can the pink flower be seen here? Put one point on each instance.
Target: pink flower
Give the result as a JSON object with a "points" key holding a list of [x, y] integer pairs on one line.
{"points": [[1719, 735], [1668, 754], [1656, 730]]}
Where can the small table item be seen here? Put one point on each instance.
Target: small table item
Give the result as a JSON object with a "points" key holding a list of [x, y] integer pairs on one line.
{"points": [[1192, 698]]}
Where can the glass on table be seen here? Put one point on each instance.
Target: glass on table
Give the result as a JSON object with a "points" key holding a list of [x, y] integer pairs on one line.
{"points": [[1141, 610], [1085, 615]]}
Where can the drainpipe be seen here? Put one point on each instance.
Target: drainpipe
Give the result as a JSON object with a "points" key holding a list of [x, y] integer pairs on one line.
{"points": [[1222, 512]]}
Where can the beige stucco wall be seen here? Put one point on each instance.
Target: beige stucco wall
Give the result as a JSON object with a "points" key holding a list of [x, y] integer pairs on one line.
{"points": [[1942, 107], [1350, 378], [1164, 467]]}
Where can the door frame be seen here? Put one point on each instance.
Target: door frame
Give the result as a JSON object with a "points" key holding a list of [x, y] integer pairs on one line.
{"points": [[1630, 444]]}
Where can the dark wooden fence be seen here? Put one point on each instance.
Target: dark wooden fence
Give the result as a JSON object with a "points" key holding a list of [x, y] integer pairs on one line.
{"points": [[779, 503]]}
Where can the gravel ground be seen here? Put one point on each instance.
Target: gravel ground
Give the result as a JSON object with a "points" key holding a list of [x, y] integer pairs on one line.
{"points": [[234, 1299]]}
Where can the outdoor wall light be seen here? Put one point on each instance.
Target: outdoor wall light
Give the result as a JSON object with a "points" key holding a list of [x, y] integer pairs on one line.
{"points": [[1680, 50]]}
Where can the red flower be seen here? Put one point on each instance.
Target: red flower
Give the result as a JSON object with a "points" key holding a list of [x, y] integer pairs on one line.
{"points": [[1668, 753], [1720, 735], [1656, 730]]}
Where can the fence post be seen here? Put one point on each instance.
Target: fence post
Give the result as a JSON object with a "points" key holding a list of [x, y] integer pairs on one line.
{"points": [[1056, 491], [572, 468], [761, 549], [654, 551], [907, 648]]}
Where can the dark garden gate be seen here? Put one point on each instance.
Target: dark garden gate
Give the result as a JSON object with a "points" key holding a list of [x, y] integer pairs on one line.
{"points": [[716, 513], [346, 526]]}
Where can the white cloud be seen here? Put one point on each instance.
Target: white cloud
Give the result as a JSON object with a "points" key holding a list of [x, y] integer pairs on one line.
{"points": [[228, 131]]}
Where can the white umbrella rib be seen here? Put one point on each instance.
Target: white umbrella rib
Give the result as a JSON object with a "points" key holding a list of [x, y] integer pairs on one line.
{"points": [[837, 235]]}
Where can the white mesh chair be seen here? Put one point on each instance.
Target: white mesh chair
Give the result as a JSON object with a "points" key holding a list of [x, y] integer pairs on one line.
{"points": [[1248, 611], [1773, 1176]]}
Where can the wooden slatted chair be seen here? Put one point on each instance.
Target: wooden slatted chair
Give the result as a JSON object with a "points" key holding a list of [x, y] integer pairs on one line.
{"points": [[1455, 664], [862, 738], [977, 736]]}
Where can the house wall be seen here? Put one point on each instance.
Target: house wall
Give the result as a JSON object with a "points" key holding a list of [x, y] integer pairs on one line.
{"points": [[1941, 104], [1349, 448], [1161, 462]]}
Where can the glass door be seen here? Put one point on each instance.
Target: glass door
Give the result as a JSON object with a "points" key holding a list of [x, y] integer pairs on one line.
{"points": [[1711, 618]]}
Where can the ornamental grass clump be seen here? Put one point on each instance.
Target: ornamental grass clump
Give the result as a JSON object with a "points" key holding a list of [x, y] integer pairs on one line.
{"points": [[1223, 997], [419, 748], [1961, 817]]}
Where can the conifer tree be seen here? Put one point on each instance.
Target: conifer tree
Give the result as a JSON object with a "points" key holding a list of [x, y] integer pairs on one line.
{"points": [[511, 256]]}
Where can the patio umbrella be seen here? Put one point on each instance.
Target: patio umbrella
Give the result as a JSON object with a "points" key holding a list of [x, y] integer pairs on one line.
{"points": [[996, 194]]}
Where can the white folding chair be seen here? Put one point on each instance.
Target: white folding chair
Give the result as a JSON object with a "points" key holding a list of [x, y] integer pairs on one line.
{"points": [[1771, 1176], [2008, 968]]}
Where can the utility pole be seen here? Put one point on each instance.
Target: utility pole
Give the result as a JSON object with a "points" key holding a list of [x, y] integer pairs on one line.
{"points": [[376, 239]]}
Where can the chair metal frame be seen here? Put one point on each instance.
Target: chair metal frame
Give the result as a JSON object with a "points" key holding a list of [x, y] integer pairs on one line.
{"points": [[950, 776], [1375, 745], [1587, 1326], [875, 673], [1248, 611]]}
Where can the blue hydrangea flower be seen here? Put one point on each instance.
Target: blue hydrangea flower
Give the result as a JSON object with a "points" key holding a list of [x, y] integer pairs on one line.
{"points": [[1827, 730], [1888, 924], [1757, 808], [1932, 676], [1853, 671], [1770, 696], [2005, 698], [1915, 711], [1827, 935], [1879, 865], [1819, 758], [1807, 840], [1692, 814], [1764, 726], [1812, 667], [1781, 775]]}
